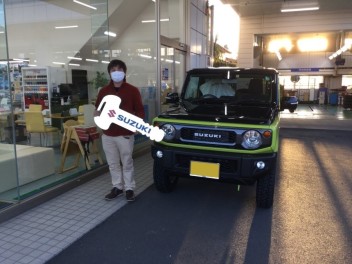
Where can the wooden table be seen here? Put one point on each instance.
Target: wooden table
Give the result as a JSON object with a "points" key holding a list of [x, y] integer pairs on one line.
{"points": [[62, 118]]}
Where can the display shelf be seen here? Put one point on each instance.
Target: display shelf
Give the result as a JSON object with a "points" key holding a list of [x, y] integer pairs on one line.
{"points": [[37, 86]]}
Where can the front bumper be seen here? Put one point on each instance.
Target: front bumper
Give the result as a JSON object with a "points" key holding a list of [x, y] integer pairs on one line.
{"points": [[234, 168]]}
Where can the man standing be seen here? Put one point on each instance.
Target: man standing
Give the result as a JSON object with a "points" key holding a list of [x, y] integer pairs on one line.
{"points": [[117, 141]]}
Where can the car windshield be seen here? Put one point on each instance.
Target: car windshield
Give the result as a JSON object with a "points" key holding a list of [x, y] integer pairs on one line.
{"points": [[230, 87]]}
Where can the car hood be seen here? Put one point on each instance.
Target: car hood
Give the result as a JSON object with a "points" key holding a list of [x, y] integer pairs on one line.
{"points": [[247, 114]]}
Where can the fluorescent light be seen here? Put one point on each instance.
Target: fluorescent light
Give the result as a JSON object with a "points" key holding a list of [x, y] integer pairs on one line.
{"points": [[297, 6], [59, 63], [11, 61], [153, 20], [84, 4], [109, 33], [278, 55], [74, 58], [278, 44], [105, 62], [74, 64], [92, 60], [145, 56], [22, 60], [62, 27], [286, 10], [312, 44], [348, 45]]}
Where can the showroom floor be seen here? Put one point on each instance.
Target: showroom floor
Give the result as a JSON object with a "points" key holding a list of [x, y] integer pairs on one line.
{"points": [[37, 235]]}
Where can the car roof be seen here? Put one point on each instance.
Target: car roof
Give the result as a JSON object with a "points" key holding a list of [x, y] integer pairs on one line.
{"points": [[242, 70]]}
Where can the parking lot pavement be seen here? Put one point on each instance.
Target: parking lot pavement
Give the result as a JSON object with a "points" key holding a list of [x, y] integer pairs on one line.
{"points": [[318, 117], [211, 222]]}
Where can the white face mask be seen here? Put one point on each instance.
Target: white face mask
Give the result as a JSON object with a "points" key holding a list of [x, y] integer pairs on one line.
{"points": [[117, 76]]}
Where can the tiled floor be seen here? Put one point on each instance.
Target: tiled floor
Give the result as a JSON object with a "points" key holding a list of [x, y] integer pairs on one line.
{"points": [[40, 233]]}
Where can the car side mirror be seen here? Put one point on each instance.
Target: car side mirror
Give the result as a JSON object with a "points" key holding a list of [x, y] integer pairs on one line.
{"points": [[172, 98]]}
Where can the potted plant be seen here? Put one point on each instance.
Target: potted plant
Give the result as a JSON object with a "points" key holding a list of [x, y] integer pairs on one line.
{"points": [[100, 80]]}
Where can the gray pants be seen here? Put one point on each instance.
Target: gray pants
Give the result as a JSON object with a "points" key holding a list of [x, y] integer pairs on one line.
{"points": [[118, 152]]}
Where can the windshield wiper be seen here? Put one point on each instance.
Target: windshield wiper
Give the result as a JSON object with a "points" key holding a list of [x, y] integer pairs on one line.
{"points": [[250, 102]]}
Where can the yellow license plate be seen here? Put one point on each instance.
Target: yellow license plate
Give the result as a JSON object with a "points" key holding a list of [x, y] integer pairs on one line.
{"points": [[205, 169]]}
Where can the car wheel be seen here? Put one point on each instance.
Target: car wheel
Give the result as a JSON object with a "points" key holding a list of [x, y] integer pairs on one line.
{"points": [[291, 110], [164, 182], [265, 190]]}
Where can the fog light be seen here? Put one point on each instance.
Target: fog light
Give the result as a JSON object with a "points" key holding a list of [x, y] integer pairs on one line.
{"points": [[260, 165], [159, 154]]}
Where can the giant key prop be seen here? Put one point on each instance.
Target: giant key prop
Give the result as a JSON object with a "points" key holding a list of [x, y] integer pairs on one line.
{"points": [[111, 113]]}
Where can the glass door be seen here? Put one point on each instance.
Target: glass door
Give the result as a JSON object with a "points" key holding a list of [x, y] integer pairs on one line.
{"points": [[173, 69]]}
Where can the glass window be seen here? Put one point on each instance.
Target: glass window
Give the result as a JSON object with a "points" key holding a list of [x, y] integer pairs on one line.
{"points": [[58, 53]]}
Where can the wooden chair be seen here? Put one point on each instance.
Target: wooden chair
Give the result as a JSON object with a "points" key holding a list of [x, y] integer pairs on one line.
{"points": [[72, 146], [66, 125], [35, 124]]}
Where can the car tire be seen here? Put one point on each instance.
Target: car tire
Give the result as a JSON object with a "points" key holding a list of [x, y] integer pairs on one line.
{"points": [[291, 110], [164, 182], [265, 190]]}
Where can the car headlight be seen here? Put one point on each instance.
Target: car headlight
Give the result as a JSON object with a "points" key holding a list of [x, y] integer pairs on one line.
{"points": [[170, 132], [252, 139]]}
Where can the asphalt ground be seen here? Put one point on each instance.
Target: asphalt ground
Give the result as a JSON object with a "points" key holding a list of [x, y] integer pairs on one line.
{"points": [[212, 222]]}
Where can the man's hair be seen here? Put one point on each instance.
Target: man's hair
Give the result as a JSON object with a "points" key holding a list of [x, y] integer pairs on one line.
{"points": [[117, 63]]}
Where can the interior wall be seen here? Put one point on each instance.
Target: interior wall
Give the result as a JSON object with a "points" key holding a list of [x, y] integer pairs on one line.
{"points": [[198, 34]]}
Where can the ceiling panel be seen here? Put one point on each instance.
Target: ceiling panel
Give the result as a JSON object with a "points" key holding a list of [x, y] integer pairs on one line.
{"points": [[272, 7]]}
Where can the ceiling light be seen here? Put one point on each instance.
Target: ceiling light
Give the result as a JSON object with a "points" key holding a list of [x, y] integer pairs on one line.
{"points": [[59, 63], [278, 55], [153, 20], [109, 33], [84, 4], [62, 27], [22, 60], [91, 60], [296, 6], [145, 56], [312, 44], [74, 58], [278, 44], [348, 45], [105, 62]]}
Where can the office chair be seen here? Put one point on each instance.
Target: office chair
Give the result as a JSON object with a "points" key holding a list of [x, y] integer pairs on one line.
{"points": [[35, 124]]}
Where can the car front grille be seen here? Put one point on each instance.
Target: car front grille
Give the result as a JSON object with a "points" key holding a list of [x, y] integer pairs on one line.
{"points": [[208, 136]]}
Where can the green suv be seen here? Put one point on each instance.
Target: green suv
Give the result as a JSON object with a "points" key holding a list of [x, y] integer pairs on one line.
{"points": [[225, 127]]}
